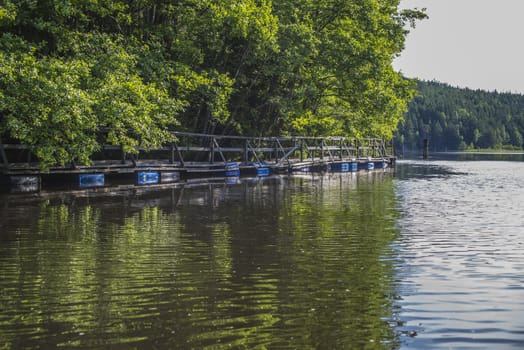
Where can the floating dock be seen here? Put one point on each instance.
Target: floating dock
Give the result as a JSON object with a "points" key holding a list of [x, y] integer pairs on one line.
{"points": [[195, 156]]}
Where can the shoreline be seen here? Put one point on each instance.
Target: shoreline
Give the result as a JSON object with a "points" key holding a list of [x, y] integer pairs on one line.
{"points": [[494, 152]]}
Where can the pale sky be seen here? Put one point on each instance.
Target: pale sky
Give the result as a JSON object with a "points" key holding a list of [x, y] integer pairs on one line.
{"points": [[467, 43]]}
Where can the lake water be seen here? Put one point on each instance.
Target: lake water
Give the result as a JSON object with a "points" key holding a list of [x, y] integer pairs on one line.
{"points": [[429, 256]]}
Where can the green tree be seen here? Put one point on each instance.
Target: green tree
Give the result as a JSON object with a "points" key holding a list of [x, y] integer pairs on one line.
{"points": [[71, 69]]}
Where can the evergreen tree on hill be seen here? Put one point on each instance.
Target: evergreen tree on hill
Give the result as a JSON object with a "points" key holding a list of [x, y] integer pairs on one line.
{"points": [[462, 119]]}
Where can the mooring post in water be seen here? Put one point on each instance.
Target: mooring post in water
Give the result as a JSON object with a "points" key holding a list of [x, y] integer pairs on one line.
{"points": [[425, 150]]}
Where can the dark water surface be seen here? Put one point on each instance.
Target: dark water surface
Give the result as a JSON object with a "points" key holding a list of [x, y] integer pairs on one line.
{"points": [[431, 256]]}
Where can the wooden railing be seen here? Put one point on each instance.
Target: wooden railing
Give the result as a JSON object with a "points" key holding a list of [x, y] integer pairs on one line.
{"points": [[202, 148]]}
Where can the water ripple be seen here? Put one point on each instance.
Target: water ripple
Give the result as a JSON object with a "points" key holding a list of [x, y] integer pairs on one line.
{"points": [[462, 255]]}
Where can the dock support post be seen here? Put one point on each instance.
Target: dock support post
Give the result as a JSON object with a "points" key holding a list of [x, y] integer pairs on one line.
{"points": [[123, 155], [276, 144], [392, 148], [212, 151], [5, 162], [301, 150], [179, 154], [246, 150]]}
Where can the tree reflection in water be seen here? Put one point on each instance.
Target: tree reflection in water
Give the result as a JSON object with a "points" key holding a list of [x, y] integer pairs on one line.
{"points": [[284, 262]]}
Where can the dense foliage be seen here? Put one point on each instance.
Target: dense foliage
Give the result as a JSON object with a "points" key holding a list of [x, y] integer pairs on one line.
{"points": [[70, 68], [459, 119]]}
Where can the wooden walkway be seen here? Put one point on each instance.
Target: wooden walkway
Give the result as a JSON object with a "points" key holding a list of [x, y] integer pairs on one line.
{"points": [[197, 156]]}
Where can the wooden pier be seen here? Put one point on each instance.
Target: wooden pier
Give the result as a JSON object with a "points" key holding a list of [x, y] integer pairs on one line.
{"points": [[195, 156]]}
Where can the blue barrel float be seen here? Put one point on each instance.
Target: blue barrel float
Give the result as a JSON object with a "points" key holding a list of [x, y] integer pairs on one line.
{"points": [[261, 168], [344, 167], [366, 165], [91, 180], [232, 169], [263, 171], [147, 177], [340, 167]]}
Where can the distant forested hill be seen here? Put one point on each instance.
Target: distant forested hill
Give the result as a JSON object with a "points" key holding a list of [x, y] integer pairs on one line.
{"points": [[458, 119]]}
